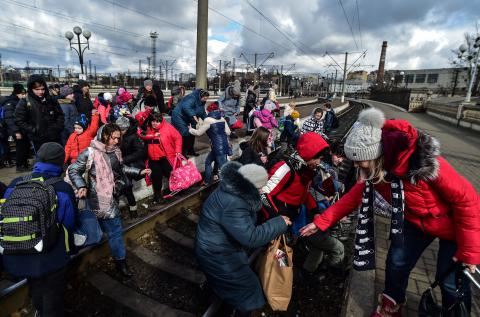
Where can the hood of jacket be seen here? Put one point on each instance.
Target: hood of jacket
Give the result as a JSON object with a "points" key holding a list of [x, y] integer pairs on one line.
{"points": [[310, 144], [234, 183], [35, 78], [409, 152]]}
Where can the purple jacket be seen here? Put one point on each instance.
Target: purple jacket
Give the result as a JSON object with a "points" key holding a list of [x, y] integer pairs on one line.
{"points": [[266, 118]]}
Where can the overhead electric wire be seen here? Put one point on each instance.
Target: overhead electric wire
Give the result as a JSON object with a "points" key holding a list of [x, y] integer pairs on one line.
{"points": [[359, 30], [348, 22], [145, 14]]}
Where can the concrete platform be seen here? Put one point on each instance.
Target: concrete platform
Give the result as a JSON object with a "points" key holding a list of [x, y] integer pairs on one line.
{"points": [[461, 147]]}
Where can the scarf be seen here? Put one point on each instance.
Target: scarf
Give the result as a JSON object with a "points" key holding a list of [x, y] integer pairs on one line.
{"points": [[364, 256], [105, 180]]}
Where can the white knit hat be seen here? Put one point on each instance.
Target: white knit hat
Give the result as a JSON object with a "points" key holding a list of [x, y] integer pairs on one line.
{"points": [[364, 142], [254, 173]]}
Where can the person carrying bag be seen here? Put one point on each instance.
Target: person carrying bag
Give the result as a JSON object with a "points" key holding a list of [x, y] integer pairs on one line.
{"points": [[275, 271]]}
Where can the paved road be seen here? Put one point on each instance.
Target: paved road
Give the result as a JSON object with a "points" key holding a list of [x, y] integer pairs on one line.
{"points": [[461, 147]]}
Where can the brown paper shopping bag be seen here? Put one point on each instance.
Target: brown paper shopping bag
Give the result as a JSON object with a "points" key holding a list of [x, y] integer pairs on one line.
{"points": [[275, 271]]}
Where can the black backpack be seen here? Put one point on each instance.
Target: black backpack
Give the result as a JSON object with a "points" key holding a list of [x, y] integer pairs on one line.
{"points": [[28, 217]]}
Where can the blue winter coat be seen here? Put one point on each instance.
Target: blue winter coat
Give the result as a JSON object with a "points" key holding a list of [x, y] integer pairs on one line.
{"points": [[38, 265], [183, 114], [70, 112], [217, 135], [328, 120], [227, 227]]}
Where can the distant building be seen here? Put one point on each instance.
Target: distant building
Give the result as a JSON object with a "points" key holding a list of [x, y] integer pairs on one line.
{"points": [[360, 75], [439, 80], [185, 77]]}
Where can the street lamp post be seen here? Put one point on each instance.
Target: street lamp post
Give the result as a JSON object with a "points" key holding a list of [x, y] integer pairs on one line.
{"points": [[87, 34], [473, 60], [402, 73]]}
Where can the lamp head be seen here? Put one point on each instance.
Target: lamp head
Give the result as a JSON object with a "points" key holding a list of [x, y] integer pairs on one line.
{"points": [[77, 30], [87, 34], [463, 48], [69, 35]]}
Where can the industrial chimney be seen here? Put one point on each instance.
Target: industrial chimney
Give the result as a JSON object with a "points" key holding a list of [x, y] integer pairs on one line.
{"points": [[381, 66]]}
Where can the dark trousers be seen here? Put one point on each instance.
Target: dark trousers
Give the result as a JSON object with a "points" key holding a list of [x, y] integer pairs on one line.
{"points": [[160, 169], [401, 261], [187, 144], [6, 156], [128, 192], [22, 148], [47, 293]]}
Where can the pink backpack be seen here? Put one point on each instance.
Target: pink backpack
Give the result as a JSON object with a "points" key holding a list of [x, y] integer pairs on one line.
{"points": [[183, 176]]}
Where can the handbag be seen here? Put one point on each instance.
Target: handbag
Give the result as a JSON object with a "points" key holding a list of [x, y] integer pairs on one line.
{"points": [[428, 306], [275, 271], [183, 176], [88, 231]]}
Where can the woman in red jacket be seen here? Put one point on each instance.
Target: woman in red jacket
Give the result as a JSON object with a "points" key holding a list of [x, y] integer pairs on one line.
{"points": [[81, 137], [428, 200], [163, 144]]}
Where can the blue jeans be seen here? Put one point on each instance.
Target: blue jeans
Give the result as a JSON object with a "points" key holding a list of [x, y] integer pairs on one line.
{"points": [[401, 260], [211, 157], [114, 230]]}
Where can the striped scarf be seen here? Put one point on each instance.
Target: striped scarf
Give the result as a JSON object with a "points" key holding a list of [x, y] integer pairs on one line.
{"points": [[364, 255]]}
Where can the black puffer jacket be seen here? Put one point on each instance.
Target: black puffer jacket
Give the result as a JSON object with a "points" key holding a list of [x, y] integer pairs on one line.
{"points": [[84, 104], [42, 120], [9, 106], [133, 149]]}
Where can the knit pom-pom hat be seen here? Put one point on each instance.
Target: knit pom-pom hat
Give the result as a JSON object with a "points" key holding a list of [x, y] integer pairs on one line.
{"points": [[364, 142]]}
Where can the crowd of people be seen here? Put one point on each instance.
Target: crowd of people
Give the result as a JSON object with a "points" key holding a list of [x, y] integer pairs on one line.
{"points": [[285, 181]]}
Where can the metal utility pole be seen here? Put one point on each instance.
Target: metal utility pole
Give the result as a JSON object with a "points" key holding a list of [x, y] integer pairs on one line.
{"points": [[153, 37], [1, 71], [58, 68], [344, 78], [148, 69], [168, 65], [87, 34], [256, 66], [233, 69], [90, 68], [281, 80], [335, 84], [95, 70], [140, 68], [202, 40], [220, 78]]}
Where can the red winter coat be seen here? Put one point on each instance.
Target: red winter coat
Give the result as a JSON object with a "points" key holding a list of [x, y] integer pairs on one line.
{"points": [[308, 145], [168, 144], [76, 143], [438, 200]]}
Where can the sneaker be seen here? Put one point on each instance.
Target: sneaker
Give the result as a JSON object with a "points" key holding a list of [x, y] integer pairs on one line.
{"points": [[387, 307]]}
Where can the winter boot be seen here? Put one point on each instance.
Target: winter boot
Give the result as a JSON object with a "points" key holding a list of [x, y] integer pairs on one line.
{"points": [[122, 268], [132, 210], [387, 307]]}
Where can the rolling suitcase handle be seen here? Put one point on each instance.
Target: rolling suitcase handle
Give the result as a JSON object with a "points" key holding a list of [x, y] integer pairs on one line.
{"points": [[471, 276]]}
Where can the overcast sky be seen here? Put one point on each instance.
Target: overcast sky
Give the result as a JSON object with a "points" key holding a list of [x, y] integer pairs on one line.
{"points": [[420, 33]]}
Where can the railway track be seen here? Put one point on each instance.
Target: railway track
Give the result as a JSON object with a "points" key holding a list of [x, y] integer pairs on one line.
{"points": [[166, 280]]}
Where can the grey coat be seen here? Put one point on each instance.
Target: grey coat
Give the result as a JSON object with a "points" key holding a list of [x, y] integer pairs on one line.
{"points": [[227, 227], [78, 169]]}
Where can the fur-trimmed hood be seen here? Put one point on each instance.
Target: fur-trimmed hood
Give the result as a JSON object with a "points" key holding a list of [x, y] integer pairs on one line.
{"points": [[409, 152], [234, 183]]}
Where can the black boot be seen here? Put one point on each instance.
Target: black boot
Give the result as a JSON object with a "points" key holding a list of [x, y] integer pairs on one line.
{"points": [[122, 268]]}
